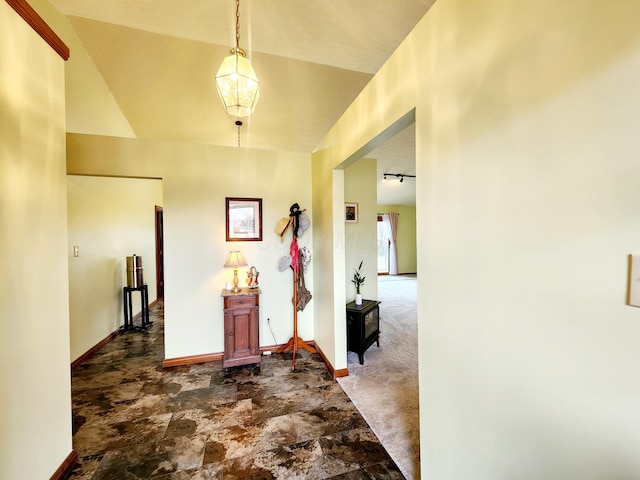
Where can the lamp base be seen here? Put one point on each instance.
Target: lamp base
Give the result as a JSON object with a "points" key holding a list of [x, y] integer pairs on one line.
{"points": [[236, 288]]}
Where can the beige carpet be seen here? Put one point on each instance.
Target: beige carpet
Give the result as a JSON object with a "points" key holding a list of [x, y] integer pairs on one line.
{"points": [[385, 388]]}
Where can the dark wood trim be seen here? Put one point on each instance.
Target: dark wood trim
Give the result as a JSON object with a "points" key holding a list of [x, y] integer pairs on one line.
{"points": [[270, 348], [212, 357], [65, 468], [93, 350], [382, 274], [159, 235], [208, 357], [343, 372], [191, 359], [41, 27]]}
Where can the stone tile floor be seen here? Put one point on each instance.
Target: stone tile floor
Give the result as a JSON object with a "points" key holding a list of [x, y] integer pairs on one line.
{"points": [[132, 419]]}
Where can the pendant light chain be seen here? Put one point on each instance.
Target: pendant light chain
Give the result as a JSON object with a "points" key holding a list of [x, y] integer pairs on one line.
{"points": [[237, 23]]}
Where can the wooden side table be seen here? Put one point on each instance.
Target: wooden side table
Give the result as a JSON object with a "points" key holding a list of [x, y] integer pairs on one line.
{"points": [[241, 327], [363, 326]]}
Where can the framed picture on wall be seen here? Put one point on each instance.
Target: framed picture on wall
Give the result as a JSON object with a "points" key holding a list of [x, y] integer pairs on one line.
{"points": [[244, 219], [351, 212]]}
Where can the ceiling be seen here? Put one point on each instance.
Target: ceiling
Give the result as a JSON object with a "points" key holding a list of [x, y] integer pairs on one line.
{"points": [[159, 58]]}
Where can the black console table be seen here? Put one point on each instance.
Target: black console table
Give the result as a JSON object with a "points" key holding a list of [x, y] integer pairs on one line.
{"points": [[128, 308], [363, 326]]}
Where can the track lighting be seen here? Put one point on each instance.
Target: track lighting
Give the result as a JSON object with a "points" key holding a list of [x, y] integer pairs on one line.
{"points": [[401, 176]]}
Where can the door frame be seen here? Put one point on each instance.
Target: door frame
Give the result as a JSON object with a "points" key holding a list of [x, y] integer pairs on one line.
{"points": [[159, 226]]}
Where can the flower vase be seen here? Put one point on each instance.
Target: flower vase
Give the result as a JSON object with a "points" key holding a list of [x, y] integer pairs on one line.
{"points": [[358, 299]]}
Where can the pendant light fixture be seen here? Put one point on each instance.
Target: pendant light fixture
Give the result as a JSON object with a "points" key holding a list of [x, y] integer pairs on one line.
{"points": [[237, 83]]}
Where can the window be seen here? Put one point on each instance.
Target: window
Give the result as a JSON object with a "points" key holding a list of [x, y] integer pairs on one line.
{"points": [[383, 247]]}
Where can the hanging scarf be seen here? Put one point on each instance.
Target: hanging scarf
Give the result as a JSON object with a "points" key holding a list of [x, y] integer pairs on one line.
{"points": [[294, 253]]}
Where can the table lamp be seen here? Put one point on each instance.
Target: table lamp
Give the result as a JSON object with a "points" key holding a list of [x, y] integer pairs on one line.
{"points": [[235, 260]]}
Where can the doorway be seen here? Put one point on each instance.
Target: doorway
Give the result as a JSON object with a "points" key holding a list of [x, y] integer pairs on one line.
{"points": [[109, 219], [398, 425]]}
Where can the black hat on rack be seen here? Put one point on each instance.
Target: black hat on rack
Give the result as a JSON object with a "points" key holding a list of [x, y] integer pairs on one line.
{"points": [[294, 212]]}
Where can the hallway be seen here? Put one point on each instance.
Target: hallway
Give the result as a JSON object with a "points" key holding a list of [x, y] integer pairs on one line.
{"points": [[389, 376], [135, 420]]}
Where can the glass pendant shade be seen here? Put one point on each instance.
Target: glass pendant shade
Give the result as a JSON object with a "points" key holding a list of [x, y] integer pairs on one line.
{"points": [[238, 84]]}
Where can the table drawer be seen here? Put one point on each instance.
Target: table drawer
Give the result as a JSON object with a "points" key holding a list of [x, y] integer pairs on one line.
{"points": [[240, 301]]}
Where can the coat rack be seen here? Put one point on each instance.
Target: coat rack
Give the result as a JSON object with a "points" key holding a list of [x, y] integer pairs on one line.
{"points": [[295, 342]]}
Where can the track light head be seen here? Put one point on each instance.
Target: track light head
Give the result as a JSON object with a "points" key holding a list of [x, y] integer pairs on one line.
{"points": [[399, 176]]}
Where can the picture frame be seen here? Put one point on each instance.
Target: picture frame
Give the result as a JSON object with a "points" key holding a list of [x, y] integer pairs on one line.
{"points": [[243, 219], [351, 212]]}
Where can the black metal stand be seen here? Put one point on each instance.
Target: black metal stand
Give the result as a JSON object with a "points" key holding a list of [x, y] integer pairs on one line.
{"points": [[128, 308]]}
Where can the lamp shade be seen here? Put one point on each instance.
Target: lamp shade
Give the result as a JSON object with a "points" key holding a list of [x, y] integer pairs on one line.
{"points": [[238, 84], [235, 259]]}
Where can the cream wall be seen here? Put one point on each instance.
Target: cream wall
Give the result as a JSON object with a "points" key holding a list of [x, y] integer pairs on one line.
{"points": [[329, 264], [361, 239], [406, 237], [90, 105], [526, 135], [195, 181], [35, 402], [109, 219]]}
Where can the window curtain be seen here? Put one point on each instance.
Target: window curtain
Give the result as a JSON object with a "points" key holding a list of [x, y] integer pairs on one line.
{"points": [[391, 222]]}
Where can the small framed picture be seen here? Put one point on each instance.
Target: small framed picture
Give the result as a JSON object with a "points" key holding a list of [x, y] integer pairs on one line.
{"points": [[351, 212], [244, 219]]}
